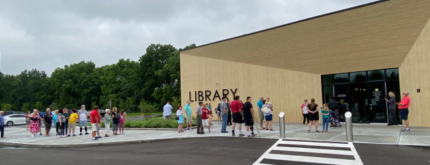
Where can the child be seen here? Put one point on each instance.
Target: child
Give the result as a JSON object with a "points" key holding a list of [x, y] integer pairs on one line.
{"points": [[122, 121], [325, 112], [205, 117], [180, 115], [72, 122]]}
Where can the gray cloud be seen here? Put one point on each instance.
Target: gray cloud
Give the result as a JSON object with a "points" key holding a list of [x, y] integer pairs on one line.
{"points": [[53, 33]]}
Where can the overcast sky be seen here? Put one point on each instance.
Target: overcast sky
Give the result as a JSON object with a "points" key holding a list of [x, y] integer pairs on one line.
{"points": [[47, 34]]}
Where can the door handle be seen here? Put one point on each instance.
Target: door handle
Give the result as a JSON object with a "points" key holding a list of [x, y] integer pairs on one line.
{"points": [[371, 106]]}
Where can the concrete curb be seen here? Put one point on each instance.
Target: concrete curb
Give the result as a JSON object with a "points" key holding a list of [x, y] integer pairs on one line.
{"points": [[26, 145]]}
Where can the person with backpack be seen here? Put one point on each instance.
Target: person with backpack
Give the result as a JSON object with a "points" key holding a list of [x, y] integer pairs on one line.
{"points": [[115, 120]]}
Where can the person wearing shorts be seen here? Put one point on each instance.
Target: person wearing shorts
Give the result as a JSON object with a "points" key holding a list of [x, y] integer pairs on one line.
{"points": [[115, 120], [83, 116], [72, 122], [404, 111], [189, 116], [205, 117], [94, 115], [260, 113], [248, 117], [236, 109]]}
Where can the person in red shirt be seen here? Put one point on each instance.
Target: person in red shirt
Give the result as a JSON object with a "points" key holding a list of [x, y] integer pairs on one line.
{"points": [[404, 111], [205, 117], [94, 115], [236, 109]]}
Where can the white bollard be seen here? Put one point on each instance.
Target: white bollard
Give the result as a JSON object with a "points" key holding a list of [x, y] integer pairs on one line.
{"points": [[282, 125], [348, 123]]}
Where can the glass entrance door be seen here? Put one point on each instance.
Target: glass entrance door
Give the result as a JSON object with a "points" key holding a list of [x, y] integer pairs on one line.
{"points": [[376, 105]]}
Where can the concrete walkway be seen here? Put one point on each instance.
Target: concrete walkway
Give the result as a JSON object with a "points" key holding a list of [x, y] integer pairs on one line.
{"points": [[363, 133]]}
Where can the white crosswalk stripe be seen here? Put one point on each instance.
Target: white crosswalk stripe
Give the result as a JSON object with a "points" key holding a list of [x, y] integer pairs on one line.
{"points": [[302, 148]]}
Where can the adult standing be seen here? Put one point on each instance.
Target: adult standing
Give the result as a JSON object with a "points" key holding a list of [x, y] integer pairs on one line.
{"points": [[269, 115], [305, 111], [313, 115], [107, 118], [199, 114], [218, 112], [98, 125], [27, 120], [1, 124], [115, 120], [48, 121], [72, 122], [404, 109], [205, 117], [189, 115], [34, 125], [66, 124], [94, 115], [260, 113], [248, 116], [54, 119], [236, 109], [180, 116], [60, 123], [83, 117], [224, 115], [229, 112], [167, 111], [392, 119]]}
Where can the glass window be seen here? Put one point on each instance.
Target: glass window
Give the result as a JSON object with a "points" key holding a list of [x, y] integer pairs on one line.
{"points": [[327, 93], [393, 74], [358, 77], [327, 79], [341, 78], [376, 75]]}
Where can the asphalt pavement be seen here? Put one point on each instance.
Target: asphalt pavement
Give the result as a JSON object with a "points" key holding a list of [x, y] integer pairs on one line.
{"points": [[216, 150]]}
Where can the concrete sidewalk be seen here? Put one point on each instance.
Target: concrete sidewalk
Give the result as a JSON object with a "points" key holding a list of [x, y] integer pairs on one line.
{"points": [[363, 133]]}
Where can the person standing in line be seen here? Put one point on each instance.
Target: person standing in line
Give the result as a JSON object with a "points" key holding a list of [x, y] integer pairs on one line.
{"points": [[180, 115], [189, 115], [229, 113], [27, 120], [269, 115], [260, 113], [224, 115], [115, 120], [199, 118], [72, 122], [248, 116], [107, 120], [313, 115], [236, 109], [48, 121], [305, 111], [1, 124], [83, 117], [404, 111], [122, 121], [94, 115], [205, 117], [167, 111], [34, 125], [325, 112], [98, 125], [392, 119], [54, 119], [60, 123], [66, 116], [218, 112]]}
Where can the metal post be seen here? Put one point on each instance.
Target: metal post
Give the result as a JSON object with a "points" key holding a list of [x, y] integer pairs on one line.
{"points": [[348, 123], [282, 125]]}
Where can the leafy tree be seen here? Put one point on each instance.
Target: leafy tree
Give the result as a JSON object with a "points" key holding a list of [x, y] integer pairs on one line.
{"points": [[39, 106], [24, 107], [6, 107], [146, 108], [128, 103]]}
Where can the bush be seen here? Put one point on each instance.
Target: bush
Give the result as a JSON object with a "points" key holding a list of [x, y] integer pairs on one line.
{"points": [[153, 123]]}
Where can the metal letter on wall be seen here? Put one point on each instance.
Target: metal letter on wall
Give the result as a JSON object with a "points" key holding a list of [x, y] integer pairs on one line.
{"points": [[201, 96], [208, 95]]}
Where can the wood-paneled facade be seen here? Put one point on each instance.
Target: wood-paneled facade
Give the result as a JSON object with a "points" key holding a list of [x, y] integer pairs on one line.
{"points": [[285, 63]]}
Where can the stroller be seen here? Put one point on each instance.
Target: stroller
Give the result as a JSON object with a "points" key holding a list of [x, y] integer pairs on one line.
{"points": [[334, 119]]}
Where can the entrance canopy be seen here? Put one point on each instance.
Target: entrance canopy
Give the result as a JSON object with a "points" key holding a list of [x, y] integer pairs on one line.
{"points": [[377, 36]]}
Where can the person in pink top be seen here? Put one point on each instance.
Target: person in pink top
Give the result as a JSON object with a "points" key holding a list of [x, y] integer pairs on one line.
{"points": [[205, 117], [122, 121], [404, 111]]}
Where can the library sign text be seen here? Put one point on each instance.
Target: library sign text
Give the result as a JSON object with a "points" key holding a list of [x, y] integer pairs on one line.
{"points": [[207, 95]]}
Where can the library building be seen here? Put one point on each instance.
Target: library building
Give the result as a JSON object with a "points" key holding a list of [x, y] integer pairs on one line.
{"points": [[356, 55]]}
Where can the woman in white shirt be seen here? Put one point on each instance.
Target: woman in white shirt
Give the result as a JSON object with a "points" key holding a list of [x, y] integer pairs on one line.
{"points": [[269, 115], [180, 117], [305, 111]]}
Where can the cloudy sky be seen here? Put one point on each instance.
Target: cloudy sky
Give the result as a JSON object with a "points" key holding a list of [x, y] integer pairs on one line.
{"points": [[47, 34]]}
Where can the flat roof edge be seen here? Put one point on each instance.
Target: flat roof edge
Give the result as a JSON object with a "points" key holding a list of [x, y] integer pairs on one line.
{"points": [[291, 23]]}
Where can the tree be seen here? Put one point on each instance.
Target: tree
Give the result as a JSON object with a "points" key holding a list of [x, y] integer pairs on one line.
{"points": [[146, 108], [24, 107], [6, 107], [128, 104], [39, 106]]}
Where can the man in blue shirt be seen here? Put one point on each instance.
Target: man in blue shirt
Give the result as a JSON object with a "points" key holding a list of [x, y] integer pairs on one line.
{"points": [[260, 114], [1, 124], [189, 116], [167, 111]]}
